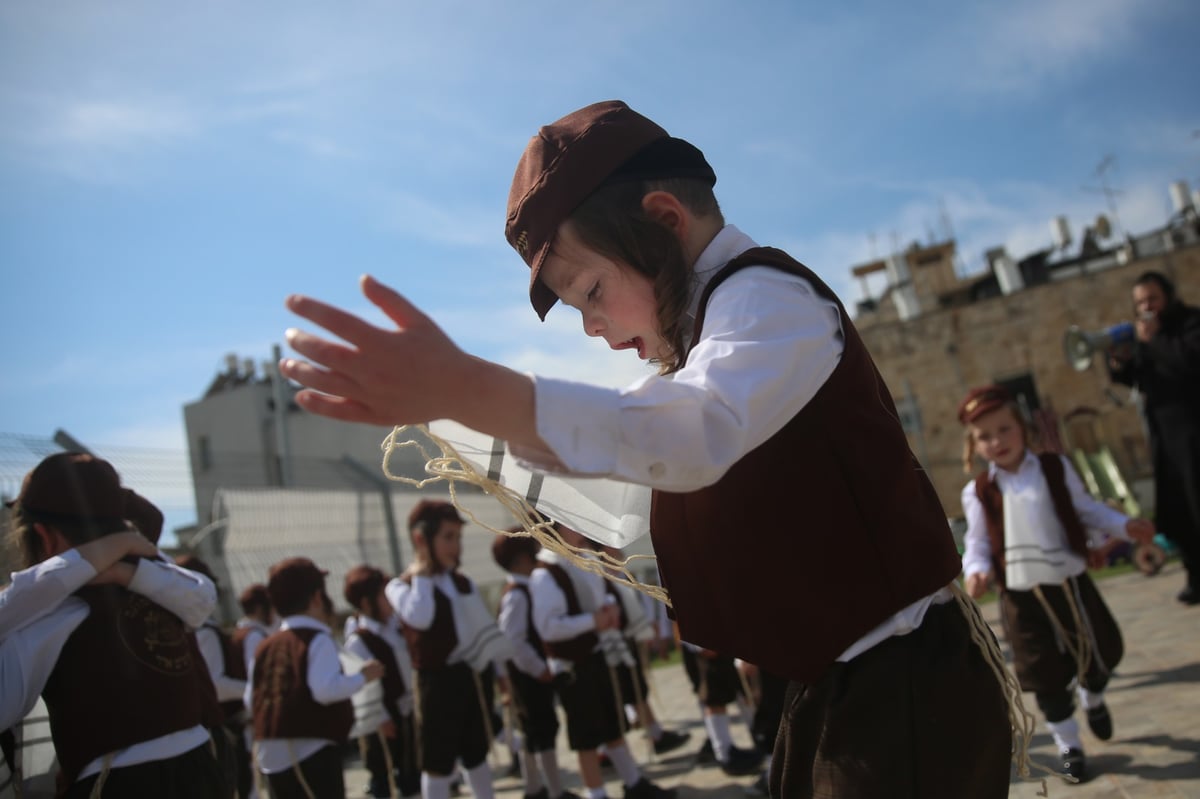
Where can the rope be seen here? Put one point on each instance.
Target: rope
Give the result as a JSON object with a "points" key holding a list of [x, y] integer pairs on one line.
{"points": [[387, 759], [98, 786], [1020, 720], [450, 467], [308, 791], [487, 716]]}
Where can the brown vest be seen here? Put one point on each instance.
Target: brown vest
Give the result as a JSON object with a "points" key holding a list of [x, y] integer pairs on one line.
{"points": [[993, 511], [430, 648], [789, 585], [131, 672], [579, 648], [235, 668], [282, 701], [392, 680]]}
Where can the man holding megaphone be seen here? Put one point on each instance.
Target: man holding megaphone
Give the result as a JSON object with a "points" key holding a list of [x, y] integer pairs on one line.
{"points": [[1163, 363]]}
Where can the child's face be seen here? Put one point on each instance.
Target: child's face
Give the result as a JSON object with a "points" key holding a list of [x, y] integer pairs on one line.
{"points": [[446, 547], [383, 607], [999, 438], [617, 302]]}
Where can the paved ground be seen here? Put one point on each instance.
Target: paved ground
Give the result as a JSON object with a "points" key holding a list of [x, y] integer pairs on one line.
{"points": [[1154, 698]]}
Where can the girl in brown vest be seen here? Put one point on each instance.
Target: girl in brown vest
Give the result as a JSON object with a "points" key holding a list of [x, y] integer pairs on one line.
{"points": [[765, 391], [1026, 519]]}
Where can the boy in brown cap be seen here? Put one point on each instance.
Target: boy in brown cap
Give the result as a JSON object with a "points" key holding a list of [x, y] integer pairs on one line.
{"points": [[1030, 523], [452, 638], [130, 702], [765, 390], [298, 695]]}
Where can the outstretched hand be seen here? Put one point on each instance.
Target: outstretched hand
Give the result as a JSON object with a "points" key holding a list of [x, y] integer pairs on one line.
{"points": [[377, 376]]}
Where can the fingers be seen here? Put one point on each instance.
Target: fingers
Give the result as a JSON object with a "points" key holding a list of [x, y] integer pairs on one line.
{"points": [[341, 408], [391, 302], [344, 325]]}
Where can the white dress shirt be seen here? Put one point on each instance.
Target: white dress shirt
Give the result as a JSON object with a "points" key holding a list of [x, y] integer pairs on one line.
{"points": [[1029, 483], [768, 344], [550, 615], [514, 621], [391, 634], [209, 642], [328, 685], [258, 633]]}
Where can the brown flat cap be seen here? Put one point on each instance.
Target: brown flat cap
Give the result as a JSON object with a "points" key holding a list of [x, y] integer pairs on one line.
{"points": [[981, 400], [506, 548], [290, 581], [363, 582], [569, 159], [81, 485], [253, 597], [433, 510]]}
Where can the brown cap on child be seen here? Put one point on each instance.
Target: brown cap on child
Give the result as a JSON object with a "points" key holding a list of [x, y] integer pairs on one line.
{"points": [[981, 400], [569, 159], [81, 485], [506, 548], [363, 582], [433, 510], [254, 597], [290, 581]]}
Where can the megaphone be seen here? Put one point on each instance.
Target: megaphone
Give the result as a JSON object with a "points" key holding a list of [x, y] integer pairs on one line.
{"points": [[1080, 345]]}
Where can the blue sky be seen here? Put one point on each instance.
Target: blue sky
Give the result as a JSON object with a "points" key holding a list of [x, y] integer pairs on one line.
{"points": [[170, 171]]}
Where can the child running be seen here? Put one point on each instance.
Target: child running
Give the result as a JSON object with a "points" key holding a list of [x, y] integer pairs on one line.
{"points": [[765, 390], [1028, 518]]}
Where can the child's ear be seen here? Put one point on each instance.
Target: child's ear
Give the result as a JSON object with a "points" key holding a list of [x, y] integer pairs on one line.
{"points": [[666, 209]]}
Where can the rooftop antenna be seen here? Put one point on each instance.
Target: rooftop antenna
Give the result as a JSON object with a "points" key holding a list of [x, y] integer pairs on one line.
{"points": [[944, 217], [1110, 194]]}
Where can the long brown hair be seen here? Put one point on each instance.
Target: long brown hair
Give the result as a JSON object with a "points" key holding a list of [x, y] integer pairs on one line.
{"points": [[611, 221]]}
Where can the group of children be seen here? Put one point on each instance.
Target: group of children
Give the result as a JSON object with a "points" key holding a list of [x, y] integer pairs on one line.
{"points": [[765, 390]]}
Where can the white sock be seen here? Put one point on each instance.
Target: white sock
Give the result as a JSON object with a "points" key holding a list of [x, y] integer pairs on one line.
{"points": [[1066, 734], [717, 725], [623, 762], [549, 763], [631, 715], [531, 772], [1089, 699], [597, 793], [434, 787], [480, 780], [746, 711]]}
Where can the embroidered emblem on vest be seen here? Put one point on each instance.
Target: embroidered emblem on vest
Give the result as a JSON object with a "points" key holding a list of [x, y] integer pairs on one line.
{"points": [[153, 636]]}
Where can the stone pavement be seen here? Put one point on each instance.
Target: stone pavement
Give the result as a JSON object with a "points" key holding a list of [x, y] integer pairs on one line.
{"points": [[1154, 699]]}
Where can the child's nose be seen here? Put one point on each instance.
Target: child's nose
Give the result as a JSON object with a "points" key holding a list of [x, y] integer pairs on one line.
{"points": [[593, 324]]}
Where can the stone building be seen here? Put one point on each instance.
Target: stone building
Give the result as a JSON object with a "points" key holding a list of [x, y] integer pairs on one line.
{"points": [[934, 335]]}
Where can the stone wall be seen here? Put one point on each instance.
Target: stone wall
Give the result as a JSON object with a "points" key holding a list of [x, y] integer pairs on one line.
{"points": [[937, 356]]}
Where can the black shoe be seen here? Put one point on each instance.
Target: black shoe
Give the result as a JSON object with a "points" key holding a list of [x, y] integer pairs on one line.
{"points": [[1189, 596], [705, 755], [1073, 763], [644, 789], [542, 794], [568, 795], [670, 741], [741, 762], [760, 787], [1100, 722]]}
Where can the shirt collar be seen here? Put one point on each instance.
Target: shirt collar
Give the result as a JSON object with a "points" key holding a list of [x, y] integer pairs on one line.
{"points": [[518, 579], [300, 621], [995, 471]]}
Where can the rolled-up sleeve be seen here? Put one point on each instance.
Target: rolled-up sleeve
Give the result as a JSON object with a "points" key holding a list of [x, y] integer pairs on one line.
{"points": [[189, 595], [977, 547]]}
